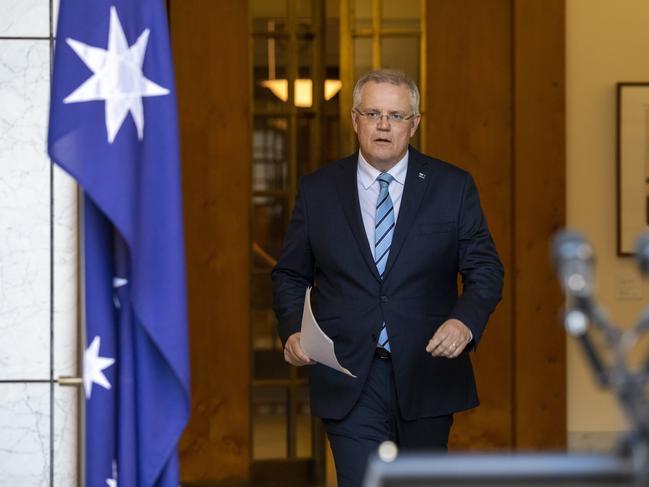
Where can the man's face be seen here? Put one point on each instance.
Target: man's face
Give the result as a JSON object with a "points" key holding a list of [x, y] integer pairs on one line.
{"points": [[383, 142]]}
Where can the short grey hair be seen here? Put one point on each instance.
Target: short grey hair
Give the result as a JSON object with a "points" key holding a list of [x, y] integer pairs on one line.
{"points": [[393, 77]]}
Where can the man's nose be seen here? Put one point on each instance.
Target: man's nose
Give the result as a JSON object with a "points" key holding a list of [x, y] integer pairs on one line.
{"points": [[383, 123]]}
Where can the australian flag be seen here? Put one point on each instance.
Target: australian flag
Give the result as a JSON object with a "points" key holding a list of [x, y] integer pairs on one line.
{"points": [[113, 127]]}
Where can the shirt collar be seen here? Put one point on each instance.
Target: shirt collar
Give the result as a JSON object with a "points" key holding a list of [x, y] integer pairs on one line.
{"points": [[367, 173]]}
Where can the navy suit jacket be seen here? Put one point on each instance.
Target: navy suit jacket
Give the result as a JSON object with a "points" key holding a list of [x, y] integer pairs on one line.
{"points": [[440, 231]]}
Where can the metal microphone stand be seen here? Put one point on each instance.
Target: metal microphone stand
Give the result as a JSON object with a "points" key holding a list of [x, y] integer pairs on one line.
{"points": [[584, 319]]}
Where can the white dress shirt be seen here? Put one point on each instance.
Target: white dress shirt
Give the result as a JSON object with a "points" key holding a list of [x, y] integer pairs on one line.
{"points": [[368, 192]]}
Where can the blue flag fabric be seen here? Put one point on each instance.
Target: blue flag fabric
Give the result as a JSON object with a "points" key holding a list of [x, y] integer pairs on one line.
{"points": [[113, 127]]}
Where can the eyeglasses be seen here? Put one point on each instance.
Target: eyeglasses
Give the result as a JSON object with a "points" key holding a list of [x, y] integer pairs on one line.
{"points": [[393, 117]]}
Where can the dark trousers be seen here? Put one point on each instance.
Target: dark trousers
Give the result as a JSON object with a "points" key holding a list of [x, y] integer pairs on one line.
{"points": [[376, 418]]}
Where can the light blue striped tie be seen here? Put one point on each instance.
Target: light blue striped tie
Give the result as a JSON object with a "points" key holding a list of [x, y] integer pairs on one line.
{"points": [[383, 231]]}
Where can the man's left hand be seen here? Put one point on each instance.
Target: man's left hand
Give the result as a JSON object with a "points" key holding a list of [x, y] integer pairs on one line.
{"points": [[449, 340]]}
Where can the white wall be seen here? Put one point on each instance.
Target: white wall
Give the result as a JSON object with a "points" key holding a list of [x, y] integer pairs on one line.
{"points": [[606, 42], [38, 318]]}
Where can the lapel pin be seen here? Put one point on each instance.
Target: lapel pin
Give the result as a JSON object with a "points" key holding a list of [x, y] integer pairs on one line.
{"points": [[421, 175]]}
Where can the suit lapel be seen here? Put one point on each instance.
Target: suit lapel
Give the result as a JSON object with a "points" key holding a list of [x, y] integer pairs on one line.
{"points": [[347, 188], [417, 179]]}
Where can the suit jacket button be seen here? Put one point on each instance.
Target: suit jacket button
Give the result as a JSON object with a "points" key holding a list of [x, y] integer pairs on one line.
{"points": [[384, 299]]}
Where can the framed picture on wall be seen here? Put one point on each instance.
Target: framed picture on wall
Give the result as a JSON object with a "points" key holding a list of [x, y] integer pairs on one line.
{"points": [[632, 164]]}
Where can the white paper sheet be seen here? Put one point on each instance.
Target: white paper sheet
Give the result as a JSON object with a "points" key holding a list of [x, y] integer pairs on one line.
{"points": [[317, 345]]}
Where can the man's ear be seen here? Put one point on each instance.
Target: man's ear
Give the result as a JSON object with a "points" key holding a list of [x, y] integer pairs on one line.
{"points": [[415, 124]]}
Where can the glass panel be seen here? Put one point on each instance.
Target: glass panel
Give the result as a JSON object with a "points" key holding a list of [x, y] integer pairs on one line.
{"points": [[401, 53], [303, 14], [268, 15], [305, 58], [308, 156], [269, 363], [332, 49], [332, 9], [269, 223], [264, 334], [270, 154], [270, 72], [331, 145], [273, 162], [404, 14], [363, 14], [269, 26], [262, 300], [303, 423], [362, 57], [268, 422]]}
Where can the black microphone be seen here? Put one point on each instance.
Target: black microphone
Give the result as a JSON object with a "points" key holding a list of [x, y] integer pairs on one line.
{"points": [[642, 253], [573, 260]]}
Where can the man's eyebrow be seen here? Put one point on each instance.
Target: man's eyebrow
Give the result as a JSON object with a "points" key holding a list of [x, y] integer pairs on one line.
{"points": [[371, 109]]}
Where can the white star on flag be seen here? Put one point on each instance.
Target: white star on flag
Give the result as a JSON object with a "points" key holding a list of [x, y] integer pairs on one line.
{"points": [[112, 482], [93, 366], [117, 283], [117, 77]]}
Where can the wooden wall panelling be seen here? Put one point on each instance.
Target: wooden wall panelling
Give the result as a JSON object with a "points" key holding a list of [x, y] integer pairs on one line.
{"points": [[496, 106], [539, 210], [210, 45], [469, 123]]}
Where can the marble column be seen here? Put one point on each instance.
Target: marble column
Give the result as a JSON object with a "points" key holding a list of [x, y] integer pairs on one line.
{"points": [[38, 264]]}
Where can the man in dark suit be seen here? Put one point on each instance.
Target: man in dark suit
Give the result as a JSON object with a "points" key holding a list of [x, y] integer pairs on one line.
{"points": [[382, 235]]}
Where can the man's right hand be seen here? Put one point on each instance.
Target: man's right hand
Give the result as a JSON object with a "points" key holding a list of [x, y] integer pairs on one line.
{"points": [[293, 352]]}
